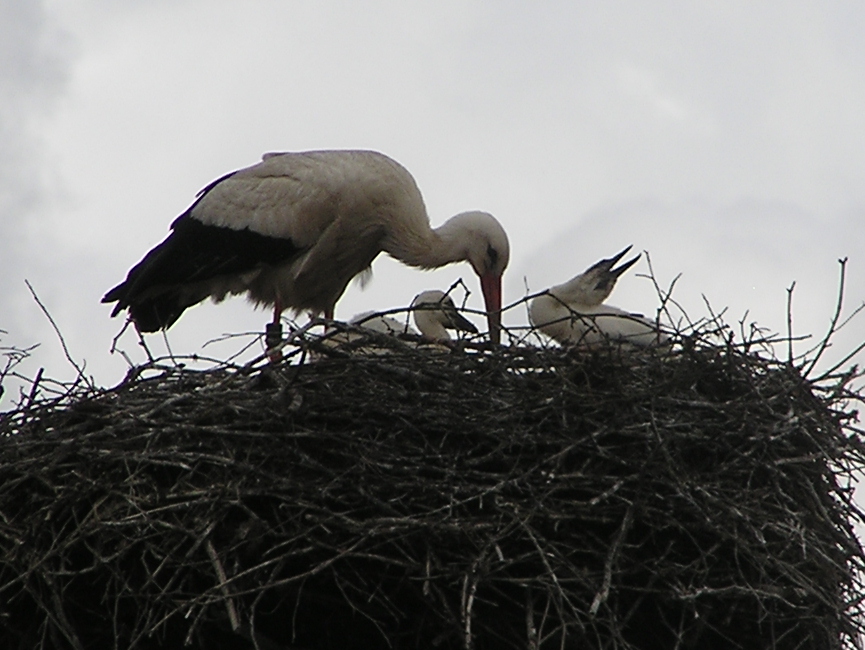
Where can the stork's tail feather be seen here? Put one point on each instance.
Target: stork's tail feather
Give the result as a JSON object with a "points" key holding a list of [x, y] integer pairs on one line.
{"points": [[157, 314], [151, 314], [116, 295]]}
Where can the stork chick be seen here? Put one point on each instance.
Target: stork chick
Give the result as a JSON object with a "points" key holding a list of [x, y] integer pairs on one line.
{"points": [[574, 313], [434, 313]]}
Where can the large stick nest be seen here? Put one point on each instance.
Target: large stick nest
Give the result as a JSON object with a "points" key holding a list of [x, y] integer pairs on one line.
{"points": [[522, 497]]}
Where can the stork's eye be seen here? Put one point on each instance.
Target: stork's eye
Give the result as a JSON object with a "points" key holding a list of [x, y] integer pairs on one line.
{"points": [[492, 255]]}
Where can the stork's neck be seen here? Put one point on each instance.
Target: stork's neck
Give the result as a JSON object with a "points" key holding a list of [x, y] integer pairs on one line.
{"points": [[430, 326], [580, 290], [429, 248]]}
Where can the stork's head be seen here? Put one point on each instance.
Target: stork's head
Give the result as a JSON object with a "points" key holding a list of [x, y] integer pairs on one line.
{"points": [[486, 248], [435, 313], [592, 286]]}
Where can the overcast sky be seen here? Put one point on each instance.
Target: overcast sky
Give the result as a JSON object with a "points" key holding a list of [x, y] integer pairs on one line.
{"points": [[727, 139]]}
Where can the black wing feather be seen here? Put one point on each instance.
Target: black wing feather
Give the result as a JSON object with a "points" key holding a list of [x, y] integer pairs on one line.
{"points": [[193, 252]]}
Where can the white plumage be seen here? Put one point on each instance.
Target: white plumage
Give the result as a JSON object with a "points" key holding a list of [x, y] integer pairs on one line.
{"points": [[294, 229], [374, 321], [574, 313], [433, 311]]}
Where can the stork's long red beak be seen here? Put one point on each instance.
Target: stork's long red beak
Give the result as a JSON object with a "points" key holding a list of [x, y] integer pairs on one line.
{"points": [[491, 286]]}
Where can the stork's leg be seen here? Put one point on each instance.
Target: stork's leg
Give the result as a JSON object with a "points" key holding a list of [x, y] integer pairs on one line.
{"points": [[273, 335], [328, 317]]}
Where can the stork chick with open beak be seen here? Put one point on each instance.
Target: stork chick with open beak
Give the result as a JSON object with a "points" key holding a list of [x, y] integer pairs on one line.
{"points": [[574, 312], [595, 284]]}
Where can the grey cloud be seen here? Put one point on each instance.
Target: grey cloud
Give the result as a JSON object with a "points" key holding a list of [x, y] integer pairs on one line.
{"points": [[34, 70]]}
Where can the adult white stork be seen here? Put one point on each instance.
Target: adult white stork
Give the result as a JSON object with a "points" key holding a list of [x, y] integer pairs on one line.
{"points": [[433, 311], [294, 229], [574, 312]]}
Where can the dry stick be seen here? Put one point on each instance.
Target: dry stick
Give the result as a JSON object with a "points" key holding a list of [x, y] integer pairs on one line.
{"points": [[296, 334], [148, 631], [252, 610], [60, 619], [468, 601], [849, 356], [604, 593], [318, 568], [825, 343], [664, 296], [228, 336], [14, 356], [846, 320], [790, 323], [32, 397], [426, 583], [69, 358], [133, 370], [143, 344], [542, 554], [117, 336], [531, 632], [543, 622], [223, 587], [843, 361]]}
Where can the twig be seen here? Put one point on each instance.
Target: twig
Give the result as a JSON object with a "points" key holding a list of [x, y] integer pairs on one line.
{"points": [[223, 586], [69, 358], [604, 592], [832, 325], [790, 322], [31, 398]]}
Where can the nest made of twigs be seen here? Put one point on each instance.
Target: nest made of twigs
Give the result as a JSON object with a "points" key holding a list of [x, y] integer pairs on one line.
{"points": [[696, 496]]}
